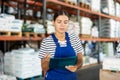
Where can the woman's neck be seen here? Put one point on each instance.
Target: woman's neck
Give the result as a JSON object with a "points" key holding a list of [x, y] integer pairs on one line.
{"points": [[60, 36]]}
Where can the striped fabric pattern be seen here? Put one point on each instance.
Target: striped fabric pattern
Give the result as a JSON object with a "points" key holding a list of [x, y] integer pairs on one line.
{"points": [[48, 46]]}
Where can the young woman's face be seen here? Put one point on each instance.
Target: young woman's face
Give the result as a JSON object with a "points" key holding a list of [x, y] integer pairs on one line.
{"points": [[61, 23]]}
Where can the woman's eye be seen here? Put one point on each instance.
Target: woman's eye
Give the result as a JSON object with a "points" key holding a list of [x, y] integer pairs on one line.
{"points": [[59, 21], [65, 22]]}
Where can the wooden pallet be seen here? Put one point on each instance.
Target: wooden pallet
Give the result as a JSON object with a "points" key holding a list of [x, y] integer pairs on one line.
{"points": [[69, 2], [32, 78], [88, 7], [85, 35], [32, 34], [9, 33], [83, 5]]}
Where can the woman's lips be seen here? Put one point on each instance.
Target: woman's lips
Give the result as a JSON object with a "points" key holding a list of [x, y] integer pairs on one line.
{"points": [[61, 28]]}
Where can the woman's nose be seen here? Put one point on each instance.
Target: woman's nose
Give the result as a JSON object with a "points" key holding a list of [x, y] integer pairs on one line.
{"points": [[62, 24]]}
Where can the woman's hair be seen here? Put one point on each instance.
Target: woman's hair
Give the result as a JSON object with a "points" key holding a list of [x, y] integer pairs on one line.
{"points": [[60, 12]]}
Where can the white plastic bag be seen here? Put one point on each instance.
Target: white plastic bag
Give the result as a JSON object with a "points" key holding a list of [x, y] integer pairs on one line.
{"points": [[7, 77]]}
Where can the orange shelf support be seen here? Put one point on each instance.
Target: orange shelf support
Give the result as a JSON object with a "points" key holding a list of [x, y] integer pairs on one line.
{"points": [[14, 38], [101, 39]]}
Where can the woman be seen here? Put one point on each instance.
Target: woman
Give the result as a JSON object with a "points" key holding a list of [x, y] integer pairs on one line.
{"points": [[60, 45]]}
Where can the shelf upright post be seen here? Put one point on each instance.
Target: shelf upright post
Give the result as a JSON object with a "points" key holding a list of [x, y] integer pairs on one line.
{"points": [[78, 11], [2, 11], [44, 13], [99, 43], [18, 10], [2, 6], [38, 42], [114, 42], [25, 3], [5, 43]]}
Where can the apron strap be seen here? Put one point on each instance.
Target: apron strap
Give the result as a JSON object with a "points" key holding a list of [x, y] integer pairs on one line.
{"points": [[55, 39], [67, 36]]}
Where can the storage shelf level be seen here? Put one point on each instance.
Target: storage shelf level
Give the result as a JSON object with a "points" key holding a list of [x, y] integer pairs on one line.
{"points": [[13, 38], [101, 39], [85, 10]]}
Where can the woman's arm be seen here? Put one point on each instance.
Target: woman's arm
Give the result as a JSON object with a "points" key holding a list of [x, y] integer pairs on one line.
{"points": [[79, 60], [45, 64]]}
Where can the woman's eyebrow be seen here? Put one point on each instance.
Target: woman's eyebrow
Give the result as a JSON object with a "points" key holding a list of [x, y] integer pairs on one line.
{"points": [[66, 20], [61, 19], [58, 20]]}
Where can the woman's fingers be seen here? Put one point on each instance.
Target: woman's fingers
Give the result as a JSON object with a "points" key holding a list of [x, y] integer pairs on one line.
{"points": [[71, 68]]}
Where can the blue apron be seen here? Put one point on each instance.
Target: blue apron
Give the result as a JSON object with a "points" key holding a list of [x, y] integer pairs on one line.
{"points": [[62, 52]]}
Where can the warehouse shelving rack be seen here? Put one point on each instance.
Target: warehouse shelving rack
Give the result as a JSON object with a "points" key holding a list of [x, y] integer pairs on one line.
{"points": [[77, 10], [98, 14], [21, 4], [55, 5], [44, 5]]}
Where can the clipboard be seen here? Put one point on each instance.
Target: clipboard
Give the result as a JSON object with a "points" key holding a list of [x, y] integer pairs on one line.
{"points": [[62, 62]]}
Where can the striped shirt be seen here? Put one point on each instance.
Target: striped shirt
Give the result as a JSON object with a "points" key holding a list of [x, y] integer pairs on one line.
{"points": [[48, 45]]}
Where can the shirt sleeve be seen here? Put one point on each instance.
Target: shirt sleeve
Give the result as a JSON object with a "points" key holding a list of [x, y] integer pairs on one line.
{"points": [[78, 45], [43, 49]]}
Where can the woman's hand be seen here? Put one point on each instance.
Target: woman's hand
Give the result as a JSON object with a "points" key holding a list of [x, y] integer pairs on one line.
{"points": [[71, 68], [45, 64]]}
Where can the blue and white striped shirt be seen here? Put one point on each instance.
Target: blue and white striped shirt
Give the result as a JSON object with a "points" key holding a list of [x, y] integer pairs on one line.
{"points": [[48, 45]]}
